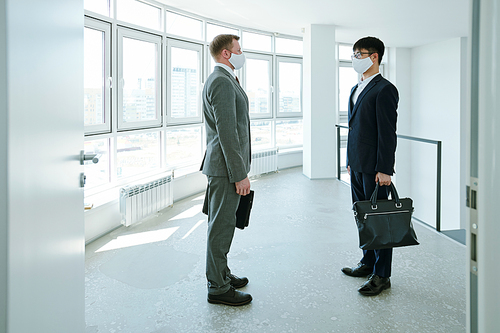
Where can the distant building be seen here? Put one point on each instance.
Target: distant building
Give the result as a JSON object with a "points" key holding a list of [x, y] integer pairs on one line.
{"points": [[259, 101], [93, 104], [185, 94], [140, 103], [289, 102]]}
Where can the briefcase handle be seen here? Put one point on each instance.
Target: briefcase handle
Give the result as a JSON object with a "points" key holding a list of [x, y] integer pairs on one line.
{"points": [[394, 195]]}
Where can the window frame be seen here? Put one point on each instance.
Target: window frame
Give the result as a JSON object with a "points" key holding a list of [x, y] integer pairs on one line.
{"points": [[272, 124], [144, 37], [107, 166], [245, 48], [291, 146], [120, 181], [188, 46], [286, 59], [161, 124], [184, 38], [342, 115], [175, 166], [260, 56], [275, 45], [105, 127], [226, 26], [161, 27], [109, 5]]}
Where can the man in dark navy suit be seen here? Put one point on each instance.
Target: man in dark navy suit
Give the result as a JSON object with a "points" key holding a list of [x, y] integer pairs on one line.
{"points": [[371, 149]]}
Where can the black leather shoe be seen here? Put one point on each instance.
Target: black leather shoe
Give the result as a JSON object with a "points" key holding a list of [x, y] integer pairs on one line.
{"points": [[375, 285], [231, 297], [360, 271], [237, 282]]}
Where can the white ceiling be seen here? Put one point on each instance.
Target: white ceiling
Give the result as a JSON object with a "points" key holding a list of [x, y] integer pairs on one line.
{"points": [[399, 23]]}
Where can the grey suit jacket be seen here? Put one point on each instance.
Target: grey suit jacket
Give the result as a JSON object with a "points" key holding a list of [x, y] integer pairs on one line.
{"points": [[227, 124]]}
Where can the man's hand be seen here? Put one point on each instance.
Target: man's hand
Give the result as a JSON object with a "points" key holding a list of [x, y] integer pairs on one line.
{"points": [[243, 187], [383, 179], [349, 170]]}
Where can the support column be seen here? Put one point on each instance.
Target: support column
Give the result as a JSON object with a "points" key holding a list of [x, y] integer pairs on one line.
{"points": [[320, 105], [488, 231]]}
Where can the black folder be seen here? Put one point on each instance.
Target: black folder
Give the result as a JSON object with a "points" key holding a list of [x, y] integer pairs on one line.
{"points": [[243, 212]]}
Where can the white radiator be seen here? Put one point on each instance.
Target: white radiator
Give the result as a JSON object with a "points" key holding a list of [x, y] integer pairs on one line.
{"points": [[140, 201], [264, 162]]}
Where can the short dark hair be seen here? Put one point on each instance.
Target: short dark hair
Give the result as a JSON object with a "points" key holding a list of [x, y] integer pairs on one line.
{"points": [[222, 42], [371, 44]]}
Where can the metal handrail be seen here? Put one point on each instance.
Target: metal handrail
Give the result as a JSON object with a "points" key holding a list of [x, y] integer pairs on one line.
{"points": [[338, 148], [438, 168]]}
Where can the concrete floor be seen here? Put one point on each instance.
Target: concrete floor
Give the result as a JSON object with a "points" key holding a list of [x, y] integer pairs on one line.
{"points": [[150, 277]]}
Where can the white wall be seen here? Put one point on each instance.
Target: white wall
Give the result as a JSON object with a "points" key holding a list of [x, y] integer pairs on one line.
{"points": [[436, 109], [104, 218], [399, 68]]}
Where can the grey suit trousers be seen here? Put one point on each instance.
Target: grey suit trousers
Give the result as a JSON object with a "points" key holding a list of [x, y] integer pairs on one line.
{"points": [[223, 202]]}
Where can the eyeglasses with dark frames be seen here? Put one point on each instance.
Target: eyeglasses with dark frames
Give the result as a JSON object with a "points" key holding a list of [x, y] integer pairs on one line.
{"points": [[358, 55]]}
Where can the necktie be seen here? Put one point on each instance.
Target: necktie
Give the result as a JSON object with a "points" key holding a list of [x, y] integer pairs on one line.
{"points": [[238, 80]]}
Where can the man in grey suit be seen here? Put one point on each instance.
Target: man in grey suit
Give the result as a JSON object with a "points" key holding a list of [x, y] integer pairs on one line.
{"points": [[226, 165]]}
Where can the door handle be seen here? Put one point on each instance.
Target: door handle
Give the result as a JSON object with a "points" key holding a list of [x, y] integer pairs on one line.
{"points": [[89, 157]]}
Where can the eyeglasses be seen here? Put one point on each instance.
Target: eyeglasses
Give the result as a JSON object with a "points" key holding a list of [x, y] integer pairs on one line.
{"points": [[358, 55]]}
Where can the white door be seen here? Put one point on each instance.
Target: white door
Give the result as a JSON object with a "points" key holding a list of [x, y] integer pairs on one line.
{"points": [[45, 242]]}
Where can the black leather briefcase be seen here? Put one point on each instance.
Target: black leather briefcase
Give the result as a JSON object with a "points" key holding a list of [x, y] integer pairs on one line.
{"points": [[385, 223], [243, 212]]}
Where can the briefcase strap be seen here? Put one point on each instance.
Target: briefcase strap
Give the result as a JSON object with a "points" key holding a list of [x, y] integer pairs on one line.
{"points": [[393, 191]]}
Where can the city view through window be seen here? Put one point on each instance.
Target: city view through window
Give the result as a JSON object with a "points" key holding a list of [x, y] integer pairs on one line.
{"points": [[142, 94]]}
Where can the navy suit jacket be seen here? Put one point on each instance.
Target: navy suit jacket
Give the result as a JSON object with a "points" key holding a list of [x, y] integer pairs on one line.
{"points": [[371, 145]]}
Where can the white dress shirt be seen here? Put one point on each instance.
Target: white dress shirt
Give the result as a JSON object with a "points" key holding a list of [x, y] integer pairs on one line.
{"points": [[362, 85], [227, 68]]}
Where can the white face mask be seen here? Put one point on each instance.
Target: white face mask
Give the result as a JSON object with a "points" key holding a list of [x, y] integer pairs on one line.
{"points": [[362, 65], [237, 60]]}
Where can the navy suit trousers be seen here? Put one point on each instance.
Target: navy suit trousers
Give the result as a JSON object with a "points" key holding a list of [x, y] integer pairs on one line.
{"points": [[362, 187]]}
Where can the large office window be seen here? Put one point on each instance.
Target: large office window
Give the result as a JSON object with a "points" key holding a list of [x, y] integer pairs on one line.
{"points": [[144, 73], [97, 174], [98, 6], [184, 82], [137, 153], [257, 84], [215, 29], [289, 46], [262, 135], [138, 80], [289, 133], [348, 78], [139, 13], [184, 26], [184, 146], [256, 42], [97, 98], [345, 52], [289, 87]]}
